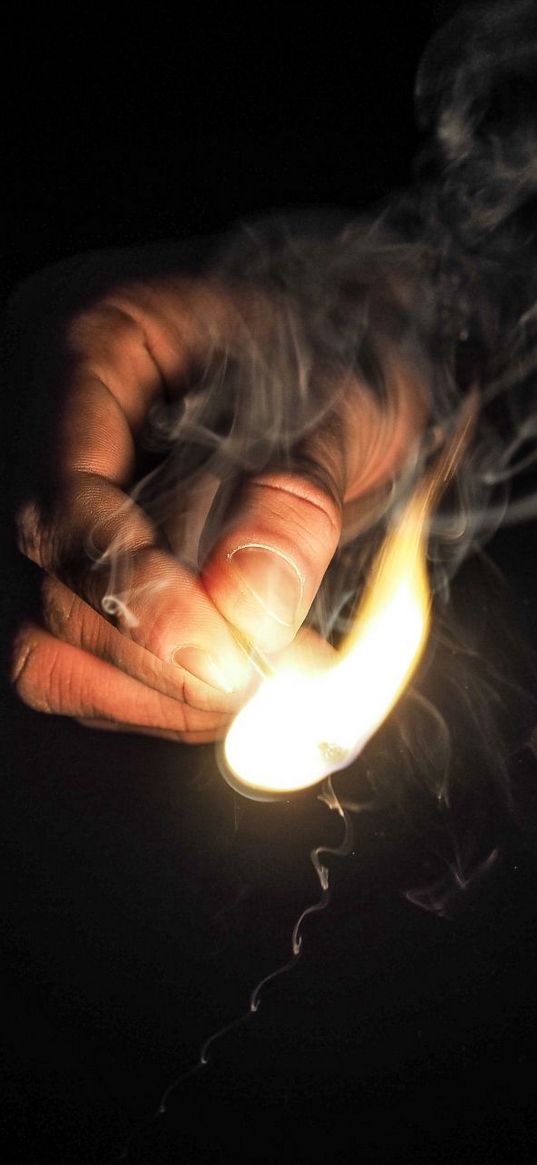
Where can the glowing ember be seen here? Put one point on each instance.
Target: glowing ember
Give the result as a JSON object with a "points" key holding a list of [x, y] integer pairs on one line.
{"points": [[299, 727]]}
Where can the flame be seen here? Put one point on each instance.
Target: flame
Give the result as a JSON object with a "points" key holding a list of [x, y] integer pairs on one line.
{"points": [[300, 727]]}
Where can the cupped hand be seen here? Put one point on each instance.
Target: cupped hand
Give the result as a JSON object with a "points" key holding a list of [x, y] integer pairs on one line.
{"points": [[159, 650]]}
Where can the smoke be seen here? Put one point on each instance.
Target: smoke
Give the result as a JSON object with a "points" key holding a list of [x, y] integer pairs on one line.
{"points": [[444, 275], [475, 93], [443, 278], [476, 96]]}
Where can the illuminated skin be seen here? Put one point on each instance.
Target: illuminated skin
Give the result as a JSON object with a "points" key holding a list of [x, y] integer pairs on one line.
{"points": [[301, 726], [173, 667]]}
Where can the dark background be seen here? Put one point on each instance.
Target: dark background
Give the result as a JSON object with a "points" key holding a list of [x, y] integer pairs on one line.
{"points": [[140, 902]]}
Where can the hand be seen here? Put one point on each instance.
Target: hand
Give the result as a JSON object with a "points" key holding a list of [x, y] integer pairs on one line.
{"points": [[169, 663]]}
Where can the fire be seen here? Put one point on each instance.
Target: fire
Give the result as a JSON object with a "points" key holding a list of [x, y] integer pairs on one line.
{"points": [[300, 727]]}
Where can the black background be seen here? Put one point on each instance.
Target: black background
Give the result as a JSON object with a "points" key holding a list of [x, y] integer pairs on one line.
{"points": [[139, 904]]}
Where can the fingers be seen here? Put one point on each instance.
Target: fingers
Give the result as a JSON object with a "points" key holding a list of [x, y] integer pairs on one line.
{"points": [[201, 685], [56, 677], [88, 532], [156, 603], [267, 565]]}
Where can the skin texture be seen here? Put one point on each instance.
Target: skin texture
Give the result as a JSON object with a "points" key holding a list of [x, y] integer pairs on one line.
{"points": [[170, 663]]}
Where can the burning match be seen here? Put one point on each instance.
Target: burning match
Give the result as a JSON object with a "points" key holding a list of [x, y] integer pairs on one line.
{"points": [[298, 727]]}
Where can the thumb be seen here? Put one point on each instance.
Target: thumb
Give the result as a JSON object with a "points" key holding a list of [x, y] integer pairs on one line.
{"points": [[267, 565], [266, 569]]}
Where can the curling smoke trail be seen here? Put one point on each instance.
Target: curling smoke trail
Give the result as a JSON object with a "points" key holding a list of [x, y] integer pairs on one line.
{"points": [[331, 800], [445, 275]]}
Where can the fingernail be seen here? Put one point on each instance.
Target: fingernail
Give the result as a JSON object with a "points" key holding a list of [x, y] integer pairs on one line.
{"points": [[272, 580], [204, 666]]}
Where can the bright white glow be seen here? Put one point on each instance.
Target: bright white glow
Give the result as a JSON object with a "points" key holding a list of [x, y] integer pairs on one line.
{"points": [[299, 727]]}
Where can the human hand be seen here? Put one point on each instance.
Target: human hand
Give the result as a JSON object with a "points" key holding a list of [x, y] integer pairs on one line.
{"points": [[169, 663]]}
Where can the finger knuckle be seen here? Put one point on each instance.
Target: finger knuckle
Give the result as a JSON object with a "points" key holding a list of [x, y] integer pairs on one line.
{"points": [[199, 696], [108, 321], [57, 603], [30, 531], [71, 619], [170, 715], [295, 502], [155, 637], [30, 671]]}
